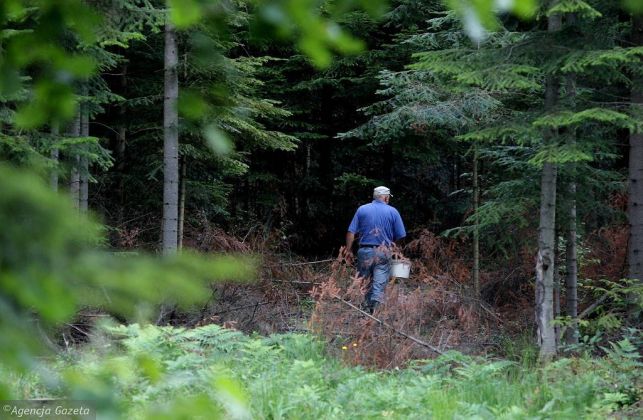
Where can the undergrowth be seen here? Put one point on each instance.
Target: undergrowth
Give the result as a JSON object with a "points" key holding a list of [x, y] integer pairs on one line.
{"points": [[212, 372]]}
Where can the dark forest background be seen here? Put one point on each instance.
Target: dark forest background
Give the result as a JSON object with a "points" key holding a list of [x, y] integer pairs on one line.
{"points": [[309, 192]]}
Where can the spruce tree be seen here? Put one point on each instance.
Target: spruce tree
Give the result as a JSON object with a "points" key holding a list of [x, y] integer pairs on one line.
{"points": [[546, 258], [170, 142], [635, 171]]}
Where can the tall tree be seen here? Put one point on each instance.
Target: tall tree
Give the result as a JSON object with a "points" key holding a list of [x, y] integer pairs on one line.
{"points": [[54, 155], [74, 180], [571, 253], [84, 162], [170, 142], [545, 260], [635, 176], [476, 227], [571, 257], [181, 222]]}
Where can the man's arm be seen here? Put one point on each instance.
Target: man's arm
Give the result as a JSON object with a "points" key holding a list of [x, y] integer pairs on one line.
{"points": [[350, 237], [398, 227], [347, 253]]}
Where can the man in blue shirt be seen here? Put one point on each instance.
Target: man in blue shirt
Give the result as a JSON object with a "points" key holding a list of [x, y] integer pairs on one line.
{"points": [[378, 226]]}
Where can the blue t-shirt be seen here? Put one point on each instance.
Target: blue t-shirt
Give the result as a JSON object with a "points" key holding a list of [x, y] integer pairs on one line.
{"points": [[377, 223]]}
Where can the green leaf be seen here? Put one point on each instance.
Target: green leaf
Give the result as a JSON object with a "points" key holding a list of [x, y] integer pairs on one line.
{"points": [[51, 101], [217, 140], [231, 395], [192, 105], [479, 16], [185, 13], [524, 9], [633, 6], [80, 66], [315, 49]]}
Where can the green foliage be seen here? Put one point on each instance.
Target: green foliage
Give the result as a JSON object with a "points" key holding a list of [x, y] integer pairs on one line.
{"points": [[306, 21], [504, 134], [45, 46], [634, 6], [568, 118], [178, 372], [560, 154], [52, 263], [579, 7], [583, 60], [479, 15], [623, 295], [349, 181]]}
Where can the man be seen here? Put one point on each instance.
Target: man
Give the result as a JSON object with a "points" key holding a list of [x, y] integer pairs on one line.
{"points": [[378, 226]]}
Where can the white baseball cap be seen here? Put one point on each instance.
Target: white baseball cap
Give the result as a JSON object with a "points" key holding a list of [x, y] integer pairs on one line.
{"points": [[382, 191]]}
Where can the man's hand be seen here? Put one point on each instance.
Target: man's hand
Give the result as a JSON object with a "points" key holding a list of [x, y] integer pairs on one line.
{"points": [[347, 251], [347, 255]]}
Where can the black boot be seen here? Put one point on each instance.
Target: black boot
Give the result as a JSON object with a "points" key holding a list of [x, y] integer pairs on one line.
{"points": [[369, 306], [374, 305]]}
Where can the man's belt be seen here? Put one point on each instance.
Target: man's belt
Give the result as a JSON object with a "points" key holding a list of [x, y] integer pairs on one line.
{"points": [[368, 246]]}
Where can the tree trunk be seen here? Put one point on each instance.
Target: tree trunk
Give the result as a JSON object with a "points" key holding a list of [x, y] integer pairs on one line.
{"points": [[84, 165], [121, 140], [571, 254], [308, 163], [170, 144], [571, 279], [545, 267], [74, 182], [557, 306], [54, 155], [476, 229], [635, 203], [182, 203], [545, 261]]}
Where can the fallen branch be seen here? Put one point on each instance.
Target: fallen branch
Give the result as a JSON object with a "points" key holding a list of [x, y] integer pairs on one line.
{"points": [[298, 282], [240, 307], [487, 310], [301, 263], [77, 329], [592, 307]]}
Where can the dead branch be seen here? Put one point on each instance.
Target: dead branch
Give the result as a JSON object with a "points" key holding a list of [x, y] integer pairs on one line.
{"points": [[592, 307]]}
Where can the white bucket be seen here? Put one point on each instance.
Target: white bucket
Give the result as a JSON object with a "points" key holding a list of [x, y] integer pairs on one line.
{"points": [[400, 269]]}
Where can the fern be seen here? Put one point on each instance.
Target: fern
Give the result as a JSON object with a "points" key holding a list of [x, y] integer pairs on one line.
{"points": [[214, 337], [185, 373], [482, 372]]}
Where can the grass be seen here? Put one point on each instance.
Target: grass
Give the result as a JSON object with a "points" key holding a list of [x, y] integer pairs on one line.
{"points": [[210, 371]]}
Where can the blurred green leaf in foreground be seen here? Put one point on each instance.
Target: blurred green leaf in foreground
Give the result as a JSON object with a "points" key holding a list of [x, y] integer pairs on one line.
{"points": [[51, 262]]}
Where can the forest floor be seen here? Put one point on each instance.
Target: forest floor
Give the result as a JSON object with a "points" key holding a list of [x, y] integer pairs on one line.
{"points": [[435, 305]]}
